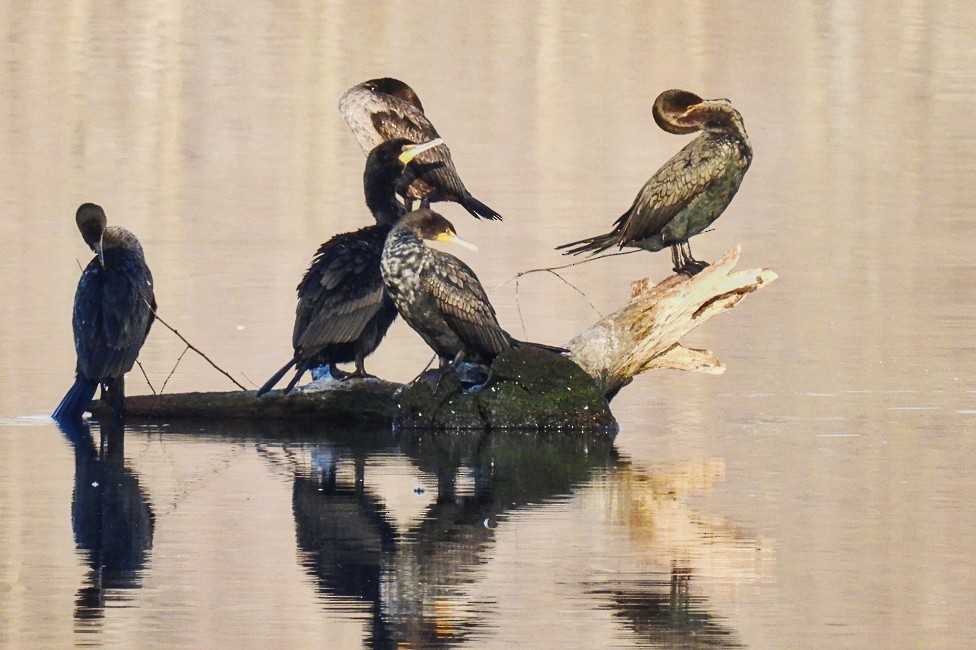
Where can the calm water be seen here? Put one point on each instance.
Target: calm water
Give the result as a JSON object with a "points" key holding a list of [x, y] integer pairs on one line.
{"points": [[818, 494]]}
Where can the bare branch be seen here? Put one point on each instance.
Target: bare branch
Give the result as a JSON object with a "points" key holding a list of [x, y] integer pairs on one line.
{"points": [[146, 377], [196, 349], [175, 366], [550, 269]]}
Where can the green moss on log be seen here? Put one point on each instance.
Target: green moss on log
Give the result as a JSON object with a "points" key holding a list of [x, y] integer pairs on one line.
{"points": [[527, 388]]}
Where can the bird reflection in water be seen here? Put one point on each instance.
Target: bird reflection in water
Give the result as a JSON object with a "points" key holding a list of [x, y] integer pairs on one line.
{"points": [[665, 613], [416, 578], [346, 536], [111, 517]]}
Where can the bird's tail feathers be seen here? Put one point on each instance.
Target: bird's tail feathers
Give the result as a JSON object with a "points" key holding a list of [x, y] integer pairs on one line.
{"points": [[555, 349], [591, 245], [299, 371], [478, 209], [275, 378], [77, 400]]}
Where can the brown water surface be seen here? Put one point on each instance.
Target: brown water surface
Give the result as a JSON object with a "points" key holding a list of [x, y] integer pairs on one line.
{"points": [[818, 494]]}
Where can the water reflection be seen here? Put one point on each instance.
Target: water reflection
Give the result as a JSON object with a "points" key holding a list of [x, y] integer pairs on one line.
{"points": [[416, 582], [666, 531], [345, 536], [111, 517], [667, 614]]}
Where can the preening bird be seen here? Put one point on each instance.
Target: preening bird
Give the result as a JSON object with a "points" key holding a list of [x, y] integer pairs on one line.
{"points": [[691, 191], [113, 310], [385, 109]]}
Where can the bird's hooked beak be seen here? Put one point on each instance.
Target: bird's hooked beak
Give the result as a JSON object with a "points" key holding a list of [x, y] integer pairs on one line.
{"points": [[411, 151], [452, 238], [99, 252]]}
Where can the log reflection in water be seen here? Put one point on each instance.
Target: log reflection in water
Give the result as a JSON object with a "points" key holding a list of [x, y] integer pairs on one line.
{"points": [[669, 533], [416, 579]]}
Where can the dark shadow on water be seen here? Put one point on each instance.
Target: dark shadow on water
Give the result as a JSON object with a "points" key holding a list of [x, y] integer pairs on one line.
{"points": [[413, 582], [111, 518], [666, 614]]}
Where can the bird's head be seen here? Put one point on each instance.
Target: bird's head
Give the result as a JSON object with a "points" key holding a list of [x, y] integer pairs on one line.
{"points": [[91, 222], [431, 226]]}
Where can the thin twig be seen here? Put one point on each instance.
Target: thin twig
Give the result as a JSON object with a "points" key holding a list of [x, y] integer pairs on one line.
{"points": [[518, 308], [146, 377], [175, 366], [518, 302], [195, 349], [550, 269], [429, 364], [579, 291], [244, 374]]}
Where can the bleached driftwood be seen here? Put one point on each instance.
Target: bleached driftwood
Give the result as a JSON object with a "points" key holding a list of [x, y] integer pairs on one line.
{"points": [[644, 334]]}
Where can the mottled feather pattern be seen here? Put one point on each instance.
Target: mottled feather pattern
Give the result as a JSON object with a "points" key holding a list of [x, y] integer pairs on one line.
{"points": [[464, 303], [688, 175], [375, 117], [396, 118], [433, 289], [404, 260], [407, 123]]}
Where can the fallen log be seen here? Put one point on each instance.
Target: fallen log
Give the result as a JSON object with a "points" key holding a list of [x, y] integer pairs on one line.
{"points": [[526, 388], [357, 401]]}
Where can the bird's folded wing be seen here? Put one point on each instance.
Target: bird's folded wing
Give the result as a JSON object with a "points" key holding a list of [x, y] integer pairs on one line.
{"points": [[672, 189], [340, 293], [465, 305]]}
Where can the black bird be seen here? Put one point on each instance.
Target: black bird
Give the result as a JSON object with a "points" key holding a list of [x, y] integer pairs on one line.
{"points": [[439, 296], [385, 109], [691, 190], [343, 311], [113, 311]]}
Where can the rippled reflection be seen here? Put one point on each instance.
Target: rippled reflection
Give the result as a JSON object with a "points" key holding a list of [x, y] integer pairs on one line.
{"points": [[415, 580], [665, 613], [111, 518]]}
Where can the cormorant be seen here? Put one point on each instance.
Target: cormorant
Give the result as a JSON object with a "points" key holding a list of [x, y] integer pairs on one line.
{"points": [[113, 311], [343, 311], [691, 190], [384, 109], [439, 296]]}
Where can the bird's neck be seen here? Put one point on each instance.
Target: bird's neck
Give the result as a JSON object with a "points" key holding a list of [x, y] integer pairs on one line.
{"points": [[119, 237], [381, 198], [404, 256], [402, 238], [730, 124]]}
